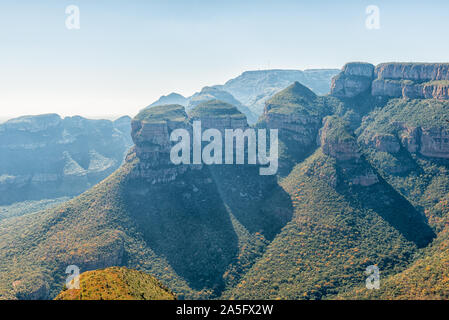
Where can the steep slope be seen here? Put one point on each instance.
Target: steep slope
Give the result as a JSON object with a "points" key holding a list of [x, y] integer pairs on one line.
{"points": [[46, 156], [428, 277], [345, 219], [297, 113], [117, 284]]}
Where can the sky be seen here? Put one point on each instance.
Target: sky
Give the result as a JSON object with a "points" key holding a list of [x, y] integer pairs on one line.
{"points": [[126, 54]]}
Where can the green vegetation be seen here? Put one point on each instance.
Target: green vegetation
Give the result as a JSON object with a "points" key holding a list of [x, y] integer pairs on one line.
{"points": [[419, 112], [117, 284], [331, 239], [227, 232], [216, 109], [159, 114]]}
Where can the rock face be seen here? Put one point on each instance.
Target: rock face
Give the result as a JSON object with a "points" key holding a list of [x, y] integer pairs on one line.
{"points": [[435, 142], [46, 156], [337, 143], [413, 71], [151, 131], [151, 135], [384, 142], [355, 78], [365, 180], [393, 80], [430, 142]]}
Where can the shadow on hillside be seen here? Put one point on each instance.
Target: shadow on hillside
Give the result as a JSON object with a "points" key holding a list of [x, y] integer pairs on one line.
{"points": [[187, 221], [257, 202], [393, 208]]}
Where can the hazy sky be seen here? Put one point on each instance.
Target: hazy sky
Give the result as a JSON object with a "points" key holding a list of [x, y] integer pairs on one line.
{"points": [[128, 53]]}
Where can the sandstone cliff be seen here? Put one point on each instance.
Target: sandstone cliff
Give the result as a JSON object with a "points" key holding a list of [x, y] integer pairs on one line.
{"points": [[393, 80]]}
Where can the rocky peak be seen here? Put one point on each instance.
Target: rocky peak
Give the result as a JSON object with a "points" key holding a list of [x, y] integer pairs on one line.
{"points": [[172, 98], [419, 72], [296, 113], [355, 79], [150, 131], [336, 141]]}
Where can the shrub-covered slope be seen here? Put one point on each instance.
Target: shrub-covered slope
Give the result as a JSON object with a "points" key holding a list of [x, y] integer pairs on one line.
{"points": [[116, 283]]}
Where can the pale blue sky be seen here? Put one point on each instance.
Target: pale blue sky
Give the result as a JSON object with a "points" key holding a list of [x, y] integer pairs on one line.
{"points": [[128, 53]]}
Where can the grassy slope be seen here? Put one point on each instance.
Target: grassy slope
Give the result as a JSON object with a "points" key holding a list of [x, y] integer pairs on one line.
{"points": [[116, 283]]}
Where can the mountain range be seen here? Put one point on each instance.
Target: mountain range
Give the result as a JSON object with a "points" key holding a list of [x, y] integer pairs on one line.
{"points": [[46, 156], [362, 181], [249, 91]]}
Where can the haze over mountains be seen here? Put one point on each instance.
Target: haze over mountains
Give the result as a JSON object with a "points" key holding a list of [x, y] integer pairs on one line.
{"points": [[363, 180], [249, 91], [45, 156]]}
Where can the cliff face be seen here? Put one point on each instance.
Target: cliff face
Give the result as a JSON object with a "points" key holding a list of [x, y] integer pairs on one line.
{"points": [[355, 78], [46, 156], [430, 142], [151, 136], [336, 142], [413, 71], [394, 80]]}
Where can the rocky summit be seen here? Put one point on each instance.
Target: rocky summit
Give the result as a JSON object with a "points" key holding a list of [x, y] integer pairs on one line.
{"points": [[393, 80]]}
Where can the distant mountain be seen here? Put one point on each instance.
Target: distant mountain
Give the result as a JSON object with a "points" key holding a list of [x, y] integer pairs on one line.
{"points": [[172, 98], [117, 284], [213, 93], [249, 91], [46, 156], [253, 88]]}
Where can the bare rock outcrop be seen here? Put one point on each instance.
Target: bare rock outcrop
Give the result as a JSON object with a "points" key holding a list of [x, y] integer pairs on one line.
{"points": [[336, 142], [430, 142], [355, 78], [365, 180], [393, 80], [412, 71], [150, 131], [384, 142]]}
